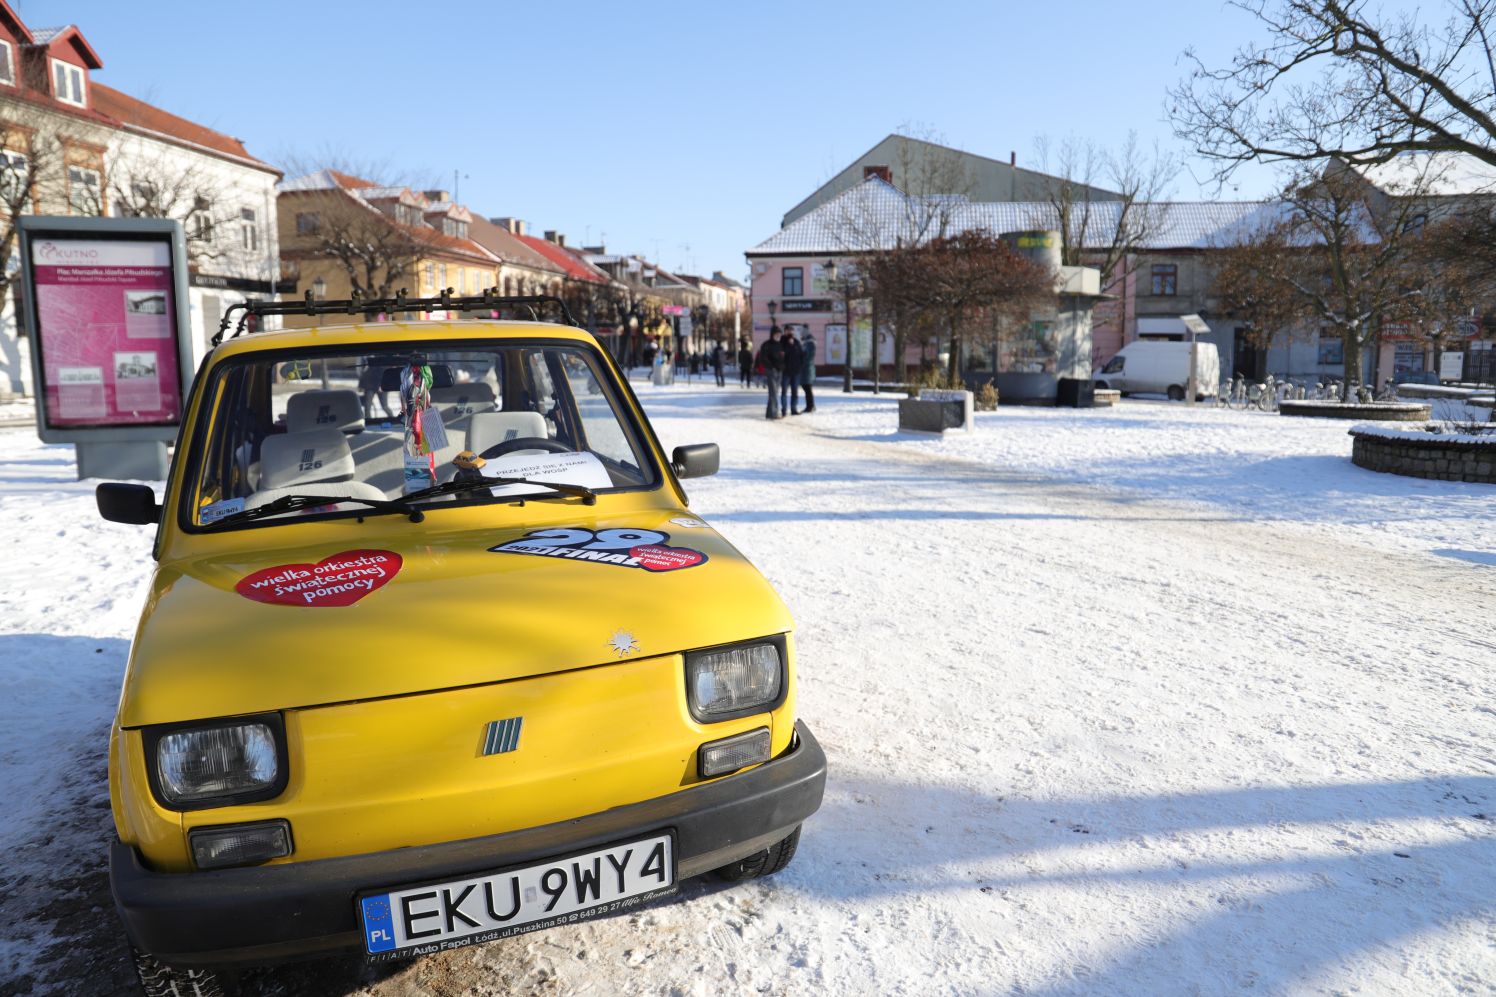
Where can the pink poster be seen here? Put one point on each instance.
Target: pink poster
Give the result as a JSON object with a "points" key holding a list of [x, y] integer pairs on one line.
{"points": [[105, 319]]}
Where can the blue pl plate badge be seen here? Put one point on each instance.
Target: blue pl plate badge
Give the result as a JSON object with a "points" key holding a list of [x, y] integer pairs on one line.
{"points": [[379, 926]]}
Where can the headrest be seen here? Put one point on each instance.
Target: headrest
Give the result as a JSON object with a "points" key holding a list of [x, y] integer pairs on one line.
{"points": [[303, 458], [490, 428], [324, 409], [462, 400]]}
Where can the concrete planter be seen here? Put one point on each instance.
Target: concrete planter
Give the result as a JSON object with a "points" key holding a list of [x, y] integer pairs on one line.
{"points": [[935, 411], [1441, 456], [1369, 412]]}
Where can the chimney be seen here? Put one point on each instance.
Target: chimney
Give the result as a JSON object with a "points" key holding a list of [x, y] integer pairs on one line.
{"points": [[551, 235], [513, 226], [1013, 158], [883, 173], [439, 196]]}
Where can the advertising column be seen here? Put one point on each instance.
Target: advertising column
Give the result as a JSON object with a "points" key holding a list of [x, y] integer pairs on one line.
{"points": [[105, 308]]}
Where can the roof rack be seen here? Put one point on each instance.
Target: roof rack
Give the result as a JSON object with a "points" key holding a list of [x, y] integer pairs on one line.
{"points": [[489, 300]]}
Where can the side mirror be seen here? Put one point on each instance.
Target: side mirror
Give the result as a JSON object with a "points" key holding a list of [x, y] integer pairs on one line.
{"points": [[698, 460], [133, 504]]}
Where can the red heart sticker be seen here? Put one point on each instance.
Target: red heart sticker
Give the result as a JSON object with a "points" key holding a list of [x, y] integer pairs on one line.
{"points": [[657, 558], [338, 580]]}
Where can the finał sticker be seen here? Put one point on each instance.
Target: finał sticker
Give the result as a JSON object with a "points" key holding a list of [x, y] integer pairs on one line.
{"points": [[626, 548]]}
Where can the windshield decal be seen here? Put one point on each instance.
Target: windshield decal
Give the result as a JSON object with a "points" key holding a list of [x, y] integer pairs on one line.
{"points": [[624, 548], [337, 580]]}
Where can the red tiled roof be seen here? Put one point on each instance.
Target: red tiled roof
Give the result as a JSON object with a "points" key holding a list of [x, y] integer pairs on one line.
{"points": [[138, 114], [568, 262]]}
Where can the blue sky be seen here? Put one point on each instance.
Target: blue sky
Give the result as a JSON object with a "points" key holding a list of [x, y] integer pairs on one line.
{"points": [[682, 132]]}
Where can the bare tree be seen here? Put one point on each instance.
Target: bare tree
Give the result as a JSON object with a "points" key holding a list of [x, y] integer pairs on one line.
{"points": [[147, 181], [1337, 262], [932, 183], [968, 281], [31, 162], [377, 251], [1249, 284], [1345, 79], [1105, 205]]}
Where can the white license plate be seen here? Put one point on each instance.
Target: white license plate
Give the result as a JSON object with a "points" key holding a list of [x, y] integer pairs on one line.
{"points": [[420, 920]]}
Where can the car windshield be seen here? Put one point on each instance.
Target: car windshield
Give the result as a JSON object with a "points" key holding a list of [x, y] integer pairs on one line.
{"points": [[386, 423]]}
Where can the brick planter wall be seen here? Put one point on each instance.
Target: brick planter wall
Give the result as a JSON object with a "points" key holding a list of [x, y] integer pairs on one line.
{"points": [[1441, 460], [1373, 412]]}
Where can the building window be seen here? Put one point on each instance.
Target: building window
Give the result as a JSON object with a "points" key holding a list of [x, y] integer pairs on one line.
{"points": [[249, 233], [1165, 279], [441, 276], [308, 223], [430, 276], [1331, 350], [7, 63], [793, 283], [200, 221], [13, 186], [67, 82], [407, 214], [85, 192]]}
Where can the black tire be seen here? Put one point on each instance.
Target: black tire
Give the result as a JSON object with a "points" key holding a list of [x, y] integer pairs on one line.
{"points": [[764, 863], [1176, 393], [160, 980]]}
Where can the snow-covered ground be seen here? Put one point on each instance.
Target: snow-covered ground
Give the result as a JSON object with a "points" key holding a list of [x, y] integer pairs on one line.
{"points": [[1148, 700]]}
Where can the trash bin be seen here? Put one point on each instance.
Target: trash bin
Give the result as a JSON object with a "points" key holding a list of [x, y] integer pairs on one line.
{"points": [[1076, 392]]}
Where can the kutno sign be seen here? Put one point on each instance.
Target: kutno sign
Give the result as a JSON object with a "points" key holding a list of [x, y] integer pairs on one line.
{"points": [[337, 580]]}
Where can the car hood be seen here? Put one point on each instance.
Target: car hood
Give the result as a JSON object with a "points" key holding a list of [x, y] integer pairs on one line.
{"points": [[280, 628]]}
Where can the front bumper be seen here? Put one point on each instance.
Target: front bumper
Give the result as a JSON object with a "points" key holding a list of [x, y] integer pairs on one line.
{"points": [[268, 913]]}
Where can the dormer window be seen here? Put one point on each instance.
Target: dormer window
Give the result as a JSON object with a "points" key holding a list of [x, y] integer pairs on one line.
{"points": [[67, 83], [407, 214], [7, 63], [454, 228]]}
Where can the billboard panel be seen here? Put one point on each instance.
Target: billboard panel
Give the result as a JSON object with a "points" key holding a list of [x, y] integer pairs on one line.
{"points": [[106, 313]]}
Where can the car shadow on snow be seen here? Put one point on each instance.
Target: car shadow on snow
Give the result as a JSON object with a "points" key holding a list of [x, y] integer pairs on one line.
{"points": [[1269, 922]]}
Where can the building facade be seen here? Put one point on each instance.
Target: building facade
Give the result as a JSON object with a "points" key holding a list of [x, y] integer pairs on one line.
{"points": [[74, 146]]}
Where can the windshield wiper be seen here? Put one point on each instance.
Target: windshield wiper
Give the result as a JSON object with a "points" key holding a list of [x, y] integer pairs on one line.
{"points": [[587, 495], [290, 503]]}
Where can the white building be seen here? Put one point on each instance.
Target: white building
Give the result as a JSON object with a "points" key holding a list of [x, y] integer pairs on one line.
{"points": [[74, 146]]}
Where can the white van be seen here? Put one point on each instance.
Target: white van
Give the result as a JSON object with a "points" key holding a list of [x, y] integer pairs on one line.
{"points": [[1150, 365]]}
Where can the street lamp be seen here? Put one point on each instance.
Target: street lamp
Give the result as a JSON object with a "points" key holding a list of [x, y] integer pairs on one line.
{"points": [[773, 310], [846, 284]]}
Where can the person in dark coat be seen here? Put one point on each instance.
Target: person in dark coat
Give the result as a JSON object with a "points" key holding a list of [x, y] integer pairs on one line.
{"points": [[745, 363], [771, 356], [808, 372], [719, 364], [789, 391]]}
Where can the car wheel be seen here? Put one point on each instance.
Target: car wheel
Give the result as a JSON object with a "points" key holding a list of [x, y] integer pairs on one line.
{"points": [[160, 980], [764, 863], [1176, 393]]}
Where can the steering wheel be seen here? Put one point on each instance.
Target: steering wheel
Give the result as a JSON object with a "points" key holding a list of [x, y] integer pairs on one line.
{"points": [[525, 443]]}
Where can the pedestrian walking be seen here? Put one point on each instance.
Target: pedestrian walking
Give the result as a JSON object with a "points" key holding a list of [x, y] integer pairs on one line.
{"points": [[789, 390], [808, 371], [771, 357], [745, 363], [719, 363]]}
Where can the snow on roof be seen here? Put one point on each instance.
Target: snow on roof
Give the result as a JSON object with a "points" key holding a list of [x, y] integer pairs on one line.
{"points": [[1441, 173], [45, 35], [875, 214]]}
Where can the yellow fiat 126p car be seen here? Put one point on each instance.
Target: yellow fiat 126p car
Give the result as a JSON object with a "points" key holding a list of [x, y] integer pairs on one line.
{"points": [[435, 653]]}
